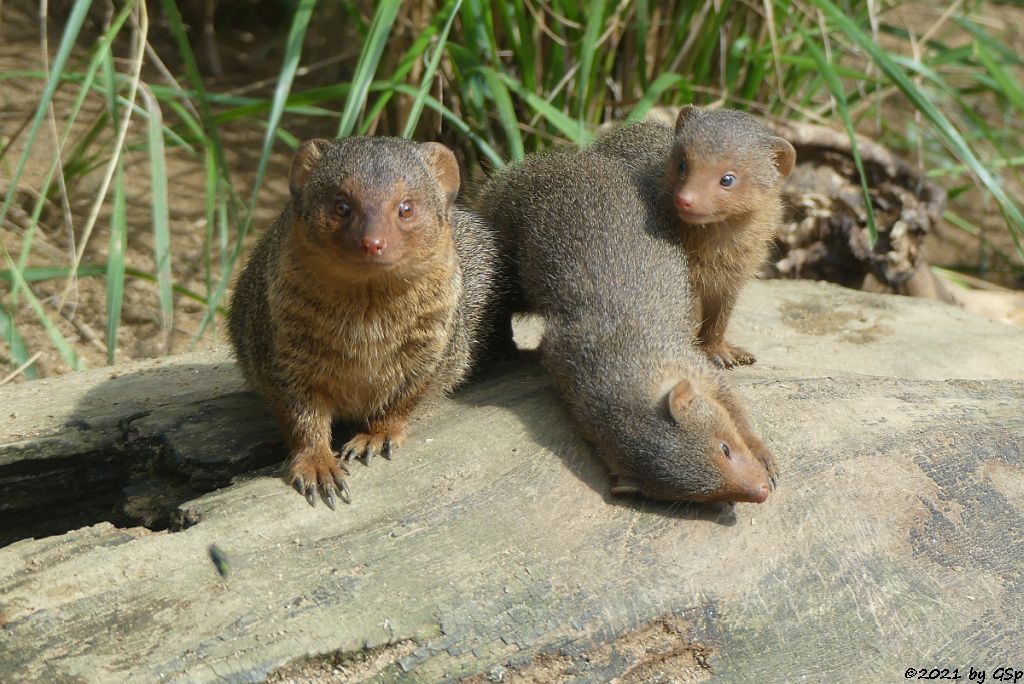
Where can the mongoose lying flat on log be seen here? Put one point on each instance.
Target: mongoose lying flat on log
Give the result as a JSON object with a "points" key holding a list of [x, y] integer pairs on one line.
{"points": [[599, 264], [368, 294], [720, 175]]}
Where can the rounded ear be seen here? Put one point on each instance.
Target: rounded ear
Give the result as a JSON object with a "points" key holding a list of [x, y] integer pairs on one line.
{"points": [[785, 157], [304, 164], [685, 114], [681, 399], [443, 166]]}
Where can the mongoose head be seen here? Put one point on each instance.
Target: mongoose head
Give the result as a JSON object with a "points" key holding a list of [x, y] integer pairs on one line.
{"points": [[724, 163], [363, 206], [699, 454]]}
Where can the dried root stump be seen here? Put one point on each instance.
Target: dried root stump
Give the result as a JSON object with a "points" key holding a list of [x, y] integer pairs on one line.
{"points": [[825, 234]]}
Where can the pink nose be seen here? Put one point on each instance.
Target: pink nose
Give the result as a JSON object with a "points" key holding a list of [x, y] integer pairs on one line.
{"points": [[760, 495], [374, 246], [684, 201]]}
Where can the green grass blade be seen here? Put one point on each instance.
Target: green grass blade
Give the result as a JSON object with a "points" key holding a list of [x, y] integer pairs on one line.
{"points": [[67, 41], [460, 125], [428, 74], [65, 349], [506, 112], [212, 193], [19, 353], [110, 82], [366, 68], [292, 53], [588, 54], [952, 137], [959, 169], [516, 35], [161, 215], [38, 273], [641, 26], [99, 57], [418, 47], [835, 86], [1009, 86], [661, 84], [477, 21], [34, 274], [116, 262], [177, 26], [575, 131]]}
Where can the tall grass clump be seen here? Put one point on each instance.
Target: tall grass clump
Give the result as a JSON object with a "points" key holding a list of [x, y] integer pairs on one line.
{"points": [[493, 80]]}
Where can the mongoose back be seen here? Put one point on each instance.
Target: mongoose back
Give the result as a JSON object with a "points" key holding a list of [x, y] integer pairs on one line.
{"points": [[719, 173], [598, 265], [367, 295]]}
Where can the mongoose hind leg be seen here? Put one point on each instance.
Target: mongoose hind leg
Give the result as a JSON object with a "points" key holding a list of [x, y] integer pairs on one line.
{"points": [[716, 312], [728, 355]]}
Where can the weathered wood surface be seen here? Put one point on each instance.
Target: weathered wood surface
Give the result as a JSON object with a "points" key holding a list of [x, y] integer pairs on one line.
{"points": [[894, 541]]}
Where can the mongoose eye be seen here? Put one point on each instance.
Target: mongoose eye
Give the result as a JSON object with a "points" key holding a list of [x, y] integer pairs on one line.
{"points": [[405, 209], [728, 180], [725, 450], [342, 208], [682, 167]]}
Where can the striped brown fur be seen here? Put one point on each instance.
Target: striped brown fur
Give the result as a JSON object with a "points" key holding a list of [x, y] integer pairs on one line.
{"points": [[349, 309]]}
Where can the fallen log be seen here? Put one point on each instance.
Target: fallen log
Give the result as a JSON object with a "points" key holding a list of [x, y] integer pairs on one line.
{"points": [[490, 546]]}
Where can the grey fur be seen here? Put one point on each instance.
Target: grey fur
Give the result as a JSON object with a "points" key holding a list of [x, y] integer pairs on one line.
{"points": [[602, 269]]}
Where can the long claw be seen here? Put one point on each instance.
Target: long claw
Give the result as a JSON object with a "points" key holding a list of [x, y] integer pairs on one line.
{"points": [[346, 493], [329, 497], [368, 454], [385, 450], [311, 494], [298, 485]]}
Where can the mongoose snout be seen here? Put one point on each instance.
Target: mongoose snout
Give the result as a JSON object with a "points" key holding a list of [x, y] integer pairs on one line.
{"points": [[374, 246]]}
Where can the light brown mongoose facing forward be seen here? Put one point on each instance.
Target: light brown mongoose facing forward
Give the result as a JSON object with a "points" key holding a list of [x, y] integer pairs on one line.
{"points": [[720, 175], [367, 295], [601, 266]]}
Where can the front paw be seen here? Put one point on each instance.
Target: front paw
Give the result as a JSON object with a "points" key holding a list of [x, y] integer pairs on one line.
{"points": [[767, 459], [317, 468], [366, 445], [729, 356]]}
